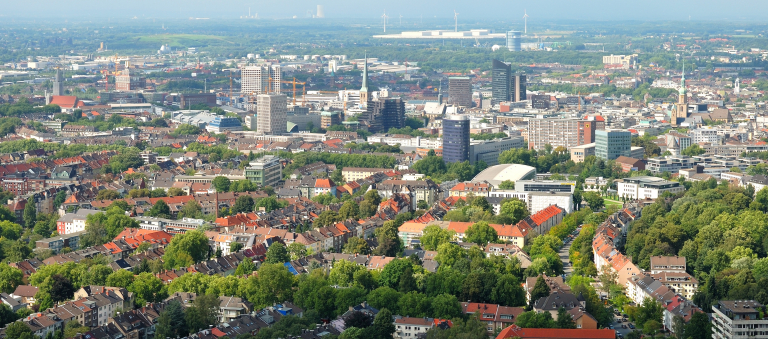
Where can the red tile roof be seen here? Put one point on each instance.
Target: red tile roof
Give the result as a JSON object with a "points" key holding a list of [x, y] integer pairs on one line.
{"points": [[64, 101], [547, 333], [542, 216]]}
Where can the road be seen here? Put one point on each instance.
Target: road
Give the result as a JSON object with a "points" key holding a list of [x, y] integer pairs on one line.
{"points": [[563, 253]]}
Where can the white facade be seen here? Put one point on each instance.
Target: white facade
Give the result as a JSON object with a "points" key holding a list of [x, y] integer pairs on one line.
{"points": [[709, 135], [392, 140], [647, 187], [256, 79], [272, 114]]}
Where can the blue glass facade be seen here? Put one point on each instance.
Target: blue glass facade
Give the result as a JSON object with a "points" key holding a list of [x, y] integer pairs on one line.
{"points": [[456, 139]]}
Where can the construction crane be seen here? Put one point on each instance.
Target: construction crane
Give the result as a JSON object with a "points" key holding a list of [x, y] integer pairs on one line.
{"points": [[294, 82]]}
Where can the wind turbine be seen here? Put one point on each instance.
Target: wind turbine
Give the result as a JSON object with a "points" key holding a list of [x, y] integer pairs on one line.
{"points": [[401, 19], [456, 20], [525, 17], [385, 21]]}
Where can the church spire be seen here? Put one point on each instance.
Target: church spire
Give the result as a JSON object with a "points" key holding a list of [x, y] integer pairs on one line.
{"points": [[364, 88], [682, 80]]}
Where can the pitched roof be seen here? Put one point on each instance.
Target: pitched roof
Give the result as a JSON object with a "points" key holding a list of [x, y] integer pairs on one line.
{"points": [[546, 333]]}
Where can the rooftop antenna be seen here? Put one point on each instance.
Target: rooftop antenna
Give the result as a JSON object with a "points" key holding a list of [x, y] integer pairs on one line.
{"points": [[525, 17], [385, 20], [456, 20]]}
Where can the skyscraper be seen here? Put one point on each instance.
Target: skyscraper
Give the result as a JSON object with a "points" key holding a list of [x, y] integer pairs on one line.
{"points": [[455, 138], [517, 88], [500, 82], [460, 91], [58, 83], [609, 145], [256, 80], [271, 113]]}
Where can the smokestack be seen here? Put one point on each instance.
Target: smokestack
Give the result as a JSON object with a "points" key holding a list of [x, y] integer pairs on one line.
{"points": [[320, 11]]}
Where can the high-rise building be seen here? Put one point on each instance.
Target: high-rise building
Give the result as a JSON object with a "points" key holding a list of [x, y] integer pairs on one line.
{"points": [[320, 11], [256, 80], [126, 82], [265, 171], [517, 91], [505, 85], [271, 113], [460, 91], [560, 132], [514, 41], [500, 82], [456, 138], [383, 114], [58, 83], [610, 145]]}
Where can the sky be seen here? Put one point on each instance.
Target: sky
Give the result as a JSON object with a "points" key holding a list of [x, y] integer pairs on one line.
{"points": [[544, 10]]}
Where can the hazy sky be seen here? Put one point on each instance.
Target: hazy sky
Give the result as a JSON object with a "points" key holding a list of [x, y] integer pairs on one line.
{"points": [[469, 10]]}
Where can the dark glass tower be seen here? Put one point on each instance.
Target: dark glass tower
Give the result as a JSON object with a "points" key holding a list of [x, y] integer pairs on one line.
{"points": [[500, 82], [455, 138]]}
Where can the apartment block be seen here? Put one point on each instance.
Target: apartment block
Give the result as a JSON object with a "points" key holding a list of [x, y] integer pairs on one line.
{"points": [[560, 132]]}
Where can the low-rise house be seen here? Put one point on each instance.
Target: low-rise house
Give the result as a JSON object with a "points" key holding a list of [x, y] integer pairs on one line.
{"points": [[409, 327], [494, 316]]}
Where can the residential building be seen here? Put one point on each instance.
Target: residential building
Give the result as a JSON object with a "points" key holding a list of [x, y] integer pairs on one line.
{"points": [[357, 173], [271, 114], [515, 331], [647, 187], [579, 153], [260, 79], [494, 316], [556, 300], [681, 283], [409, 327], [738, 319], [56, 244], [265, 171], [560, 132], [464, 189], [629, 164], [125, 81], [74, 222], [456, 138], [610, 145], [460, 91], [544, 220], [625, 61], [673, 264]]}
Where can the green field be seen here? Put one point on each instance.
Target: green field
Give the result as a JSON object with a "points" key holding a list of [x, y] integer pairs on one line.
{"points": [[609, 202], [181, 40]]}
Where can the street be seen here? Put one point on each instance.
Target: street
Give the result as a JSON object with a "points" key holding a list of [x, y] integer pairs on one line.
{"points": [[563, 253]]}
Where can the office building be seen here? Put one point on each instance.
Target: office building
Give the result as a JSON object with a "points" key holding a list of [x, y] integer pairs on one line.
{"points": [[460, 91], [506, 86], [517, 88], [265, 171], [187, 100], [456, 138], [545, 186], [489, 150], [540, 101], [126, 82], [559, 132], [328, 119], [224, 124], [738, 319], [58, 83], [610, 145], [260, 79], [391, 113], [579, 153], [647, 187], [514, 41], [272, 114]]}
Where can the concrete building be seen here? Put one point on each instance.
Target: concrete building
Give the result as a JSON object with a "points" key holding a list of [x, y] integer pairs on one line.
{"points": [[408, 327], [126, 82], [625, 61], [647, 187], [271, 116], [560, 132], [610, 145], [456, 138], [73, 222], [58, 83], [223, 124], [489, 150], [545, 186], [738, 319], [57, 243], [256, 80], [460, 91], [497, 174], [357, 173], [579, 153], [265, 171]]}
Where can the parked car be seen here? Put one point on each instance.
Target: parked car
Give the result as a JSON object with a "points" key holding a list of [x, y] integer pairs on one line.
{"points": [[632, 326]]}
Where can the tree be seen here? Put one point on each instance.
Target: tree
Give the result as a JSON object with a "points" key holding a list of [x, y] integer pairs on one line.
{"points": [[356, 245], [532, 319], [446, 306], [699, 327], [191, 209], [383, 327], [481, 233], [433, 236], [120, 278], [508, 291], [269, 203], [343, 272], [564, 319], [202, 313], [107, 195], [298, 250], [186, 249], [7, 315], [384, 297], [595, 201], [19, 330], [160, 210], [244, 203], [73, 328], [507, 185], [147, 288], [171, 322], [61, 288], [515, 209], [407, 282], [349, 210], [358, 319], [373, 197], [30, 214], [175, 192], [221, 184], [693, 150], [367, 209], [235, 247], [277, 254], [61, 196], [245, 267], [540, 290], [390, 275], [327, 218], [10, 278], [389, 239]]}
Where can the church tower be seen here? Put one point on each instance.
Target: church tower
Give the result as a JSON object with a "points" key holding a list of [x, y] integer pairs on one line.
{"points": [[681, 110], [365, 94]]}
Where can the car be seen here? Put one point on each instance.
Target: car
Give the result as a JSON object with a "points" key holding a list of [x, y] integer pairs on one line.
{"points": [[632, 326], [623, 326], [610, 326]]}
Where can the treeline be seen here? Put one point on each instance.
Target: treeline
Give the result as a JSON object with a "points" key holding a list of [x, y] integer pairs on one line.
{"points": [[438, 170], [23, 106]]}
